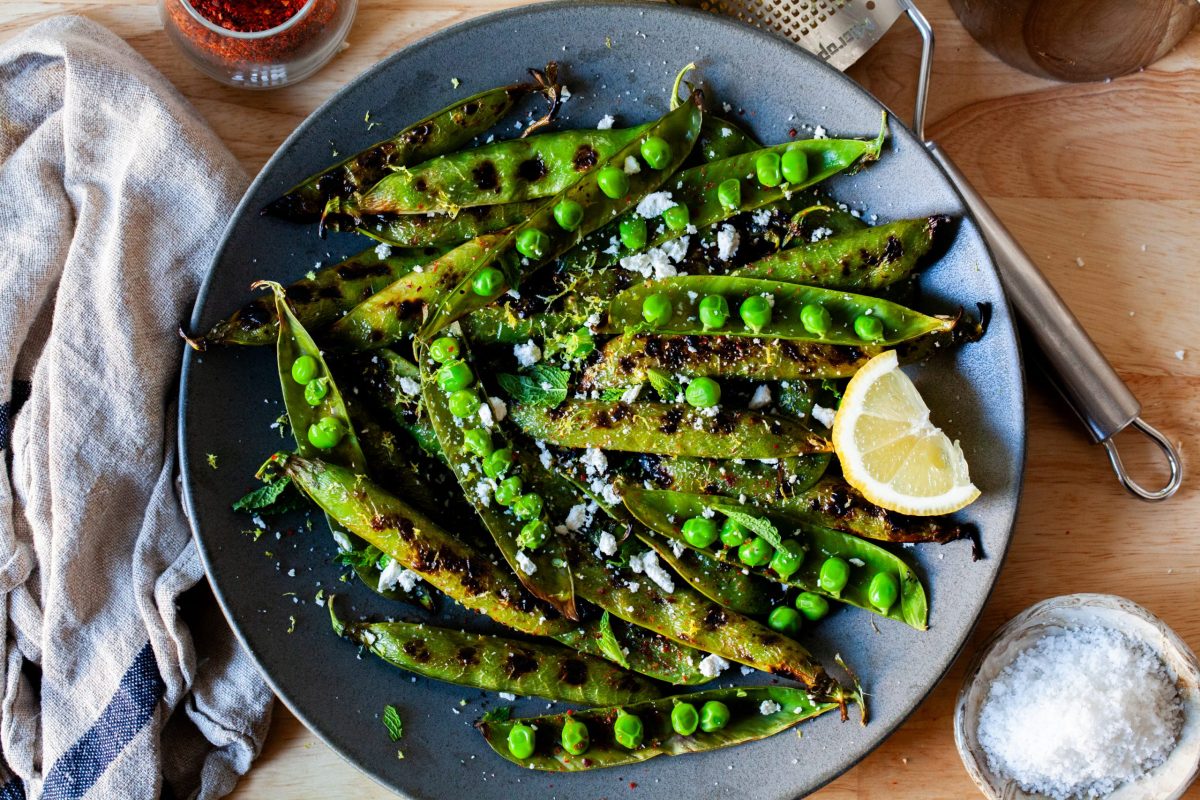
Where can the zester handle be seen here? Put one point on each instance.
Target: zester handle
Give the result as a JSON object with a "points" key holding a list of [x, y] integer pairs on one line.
{"points": [[1083, 374]]}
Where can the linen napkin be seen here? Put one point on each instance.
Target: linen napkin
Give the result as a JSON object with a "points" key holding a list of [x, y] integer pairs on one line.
{"points": [[113, 192]]}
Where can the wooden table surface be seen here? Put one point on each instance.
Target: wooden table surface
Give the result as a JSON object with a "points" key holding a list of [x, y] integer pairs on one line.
{"points": [[1098, 181]]}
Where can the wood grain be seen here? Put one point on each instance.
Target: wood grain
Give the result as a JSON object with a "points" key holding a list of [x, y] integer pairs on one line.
{"points": [[1103, 173]]}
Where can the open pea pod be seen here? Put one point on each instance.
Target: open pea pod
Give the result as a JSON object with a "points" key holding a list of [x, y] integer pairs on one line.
{"points": [[541, 239], [496, 663], [502, 172], [667, 429], [645, 652], [755, 712], [863, 260], [720, 138], [441, 132], [786, 302], [762, 481], [446, 230], [311, 404], [320, 299], [666, 512], [539, 562]]}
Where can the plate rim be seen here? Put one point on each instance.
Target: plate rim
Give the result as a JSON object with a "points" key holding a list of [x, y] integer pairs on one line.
{"points": [[499, 17]]}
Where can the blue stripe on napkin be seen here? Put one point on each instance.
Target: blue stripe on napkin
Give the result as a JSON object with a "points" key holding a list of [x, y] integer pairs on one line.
{"points": [[8, 412], [13, 790], [127, 713]]}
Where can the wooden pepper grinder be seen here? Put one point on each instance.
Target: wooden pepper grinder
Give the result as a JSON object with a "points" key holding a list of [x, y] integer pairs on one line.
{"points": [[1078, 40]]}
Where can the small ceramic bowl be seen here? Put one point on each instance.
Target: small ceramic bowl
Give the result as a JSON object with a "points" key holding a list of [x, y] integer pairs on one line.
{"points": [[1169, 780]]}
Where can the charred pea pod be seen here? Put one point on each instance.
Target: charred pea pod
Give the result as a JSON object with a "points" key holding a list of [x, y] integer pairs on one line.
{"points": [[645, 652], [778, 313], [864, 260], [759, 480], [754, 712], [323, 428], [496, 663], [446, 230], [496, 324], [393, 312], [502, 172], [320, 299], [666, 512], [479, 455], [606, 192], [833, 503], [441, 132], [667, 429], [720, 139]]}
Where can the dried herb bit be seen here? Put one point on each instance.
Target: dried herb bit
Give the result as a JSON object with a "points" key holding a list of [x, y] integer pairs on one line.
{"points": [[541, 385], [291, 624], [393, 723], [212, 460]]}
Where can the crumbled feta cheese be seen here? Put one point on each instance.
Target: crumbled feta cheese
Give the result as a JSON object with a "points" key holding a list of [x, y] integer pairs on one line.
{"points": [[858, 562], [608, 544], [483, 491], [677, 548], [408, 579], [647, 562], [632, 167], [499, 408], [383, 250], [594, 460], [708, 513], [761, 397], [605, 123], [527, 566], [544, 455], [821, 233], [631, 393], [676, 249], [726, 132], [770, 298], [819, 133], [654, 204], [1078, 261], [823, 415], [768, 707], [712, 665], [657, 262], [1180, 354], [747, 670], [509, 696], [390, 575], [485, 415], [610, 495], [564, 95], [762, 216], [527, 354], [727, 242], [577, 517], [633, 586]]}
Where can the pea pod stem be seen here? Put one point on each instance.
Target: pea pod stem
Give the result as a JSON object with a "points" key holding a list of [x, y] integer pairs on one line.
{"points": [[755, 712], [496, 663]]}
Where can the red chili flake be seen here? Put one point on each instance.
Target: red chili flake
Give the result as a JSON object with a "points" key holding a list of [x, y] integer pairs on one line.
{"points": [[248, 16], [254, 16], [792, 133], [632, 785]]}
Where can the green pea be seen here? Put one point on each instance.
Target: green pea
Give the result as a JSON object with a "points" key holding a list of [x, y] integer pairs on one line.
{"points": [[703, 393], [499, 462], [527, 506], [755, 552], [785, 620], [521, 740], [454, 376], [315, 391], [579, 343], [488, 282], [568, 214], [477, 441], [325, 433], [699, 532], [508, 490], [533, 534], [816, 319], [788, 558], [685, 719], [656, 152], [714, 312], [677, 217], [304, 369], [883, 591], [463, 403], [656, 309], [714, 715], [729, 193], [834, 575], [444, 349], [733, 533], [613, 182], [634, 233], [794, 165], [628, 730], [532, 243], [755, 311], [766, 167], [812, 605], [868, 328], [575, 738]]}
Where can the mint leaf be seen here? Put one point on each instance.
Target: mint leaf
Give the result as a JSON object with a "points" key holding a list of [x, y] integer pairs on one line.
{"points": [[366, 558], [612, 394], [757, 525], [541, 385], [608, 642], [271, 498], [497, 714], [391, 719], [664, 385]]}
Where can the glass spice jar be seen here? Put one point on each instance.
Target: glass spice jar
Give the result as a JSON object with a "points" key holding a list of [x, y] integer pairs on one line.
{"points": [[258, 44]]}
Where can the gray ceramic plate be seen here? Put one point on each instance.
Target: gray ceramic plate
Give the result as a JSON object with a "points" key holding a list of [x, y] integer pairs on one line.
{"points": [[230, 397]]}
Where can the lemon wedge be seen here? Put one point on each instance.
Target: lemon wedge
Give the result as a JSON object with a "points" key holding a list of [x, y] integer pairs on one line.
{"points": [[889, 449]]}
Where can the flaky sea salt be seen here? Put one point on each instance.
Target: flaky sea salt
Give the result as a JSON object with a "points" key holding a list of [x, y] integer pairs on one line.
{"points": [[1080, 712]]}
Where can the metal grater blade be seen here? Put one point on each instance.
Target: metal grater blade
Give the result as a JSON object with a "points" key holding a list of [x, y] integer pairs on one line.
{"points": [[838, 32]]}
